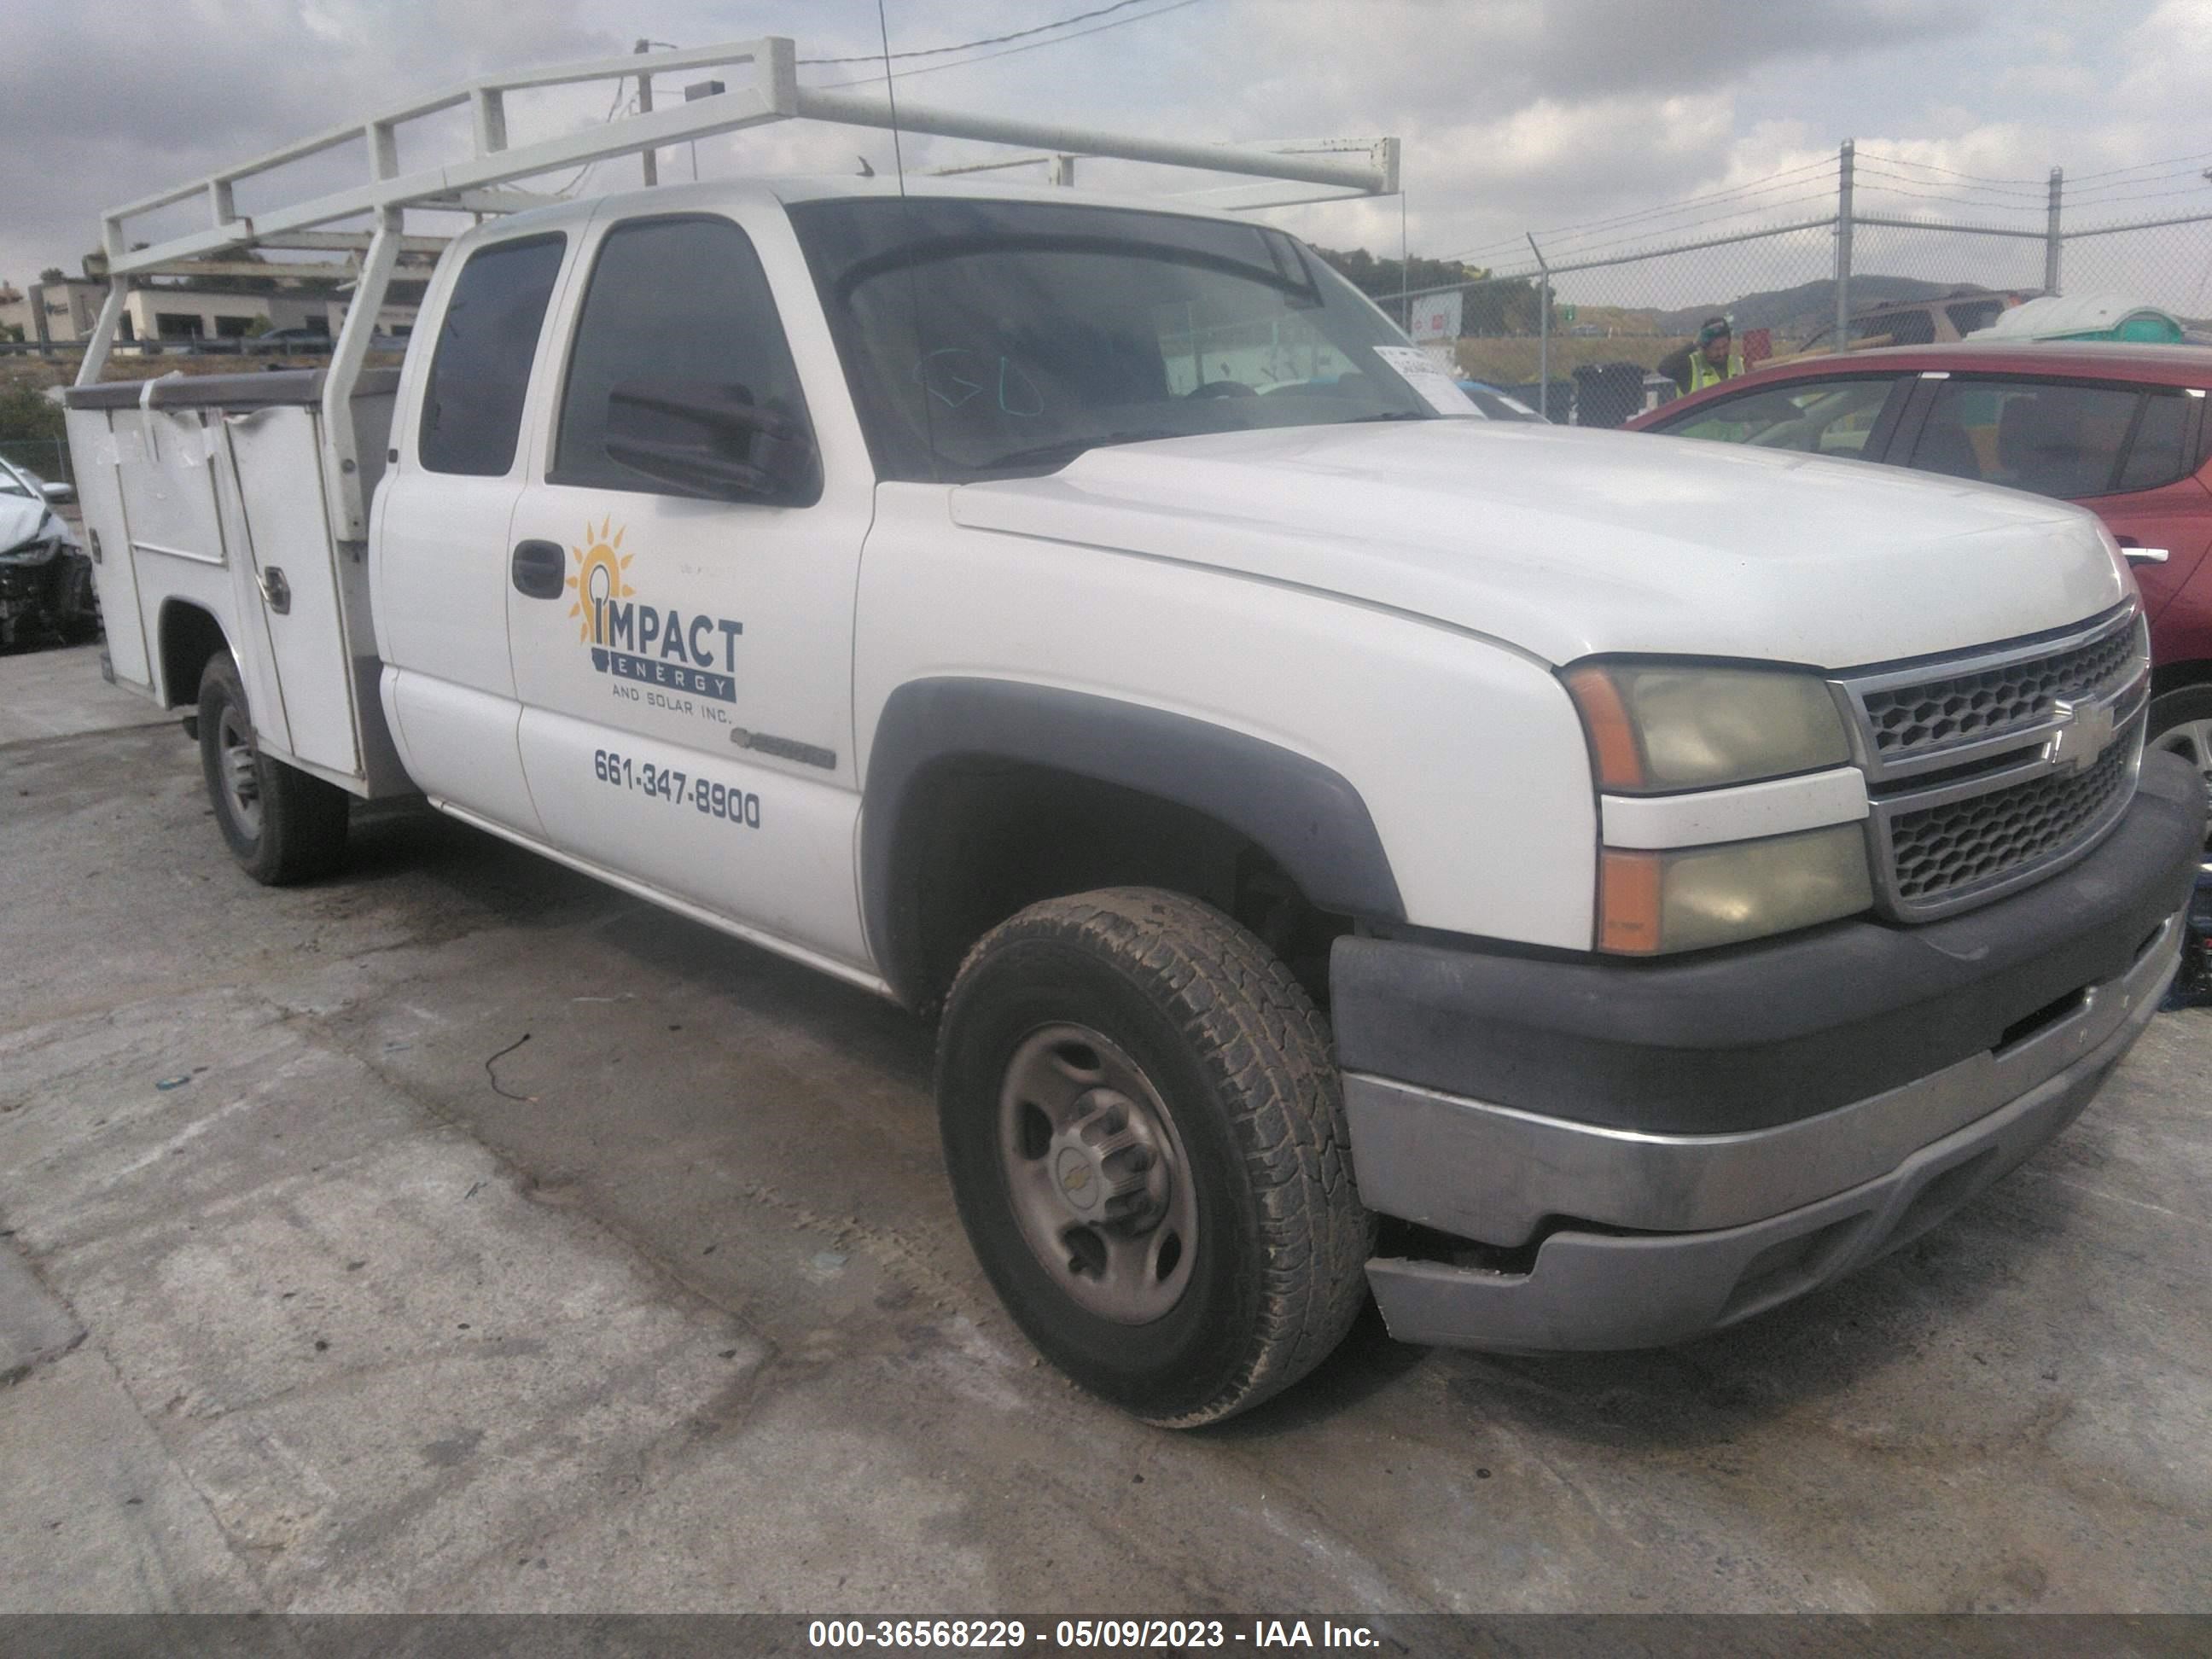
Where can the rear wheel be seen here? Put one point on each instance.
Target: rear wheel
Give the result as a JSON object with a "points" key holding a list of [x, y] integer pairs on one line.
{"points": [[79, 620], [1146, 1140], [282, 825]]}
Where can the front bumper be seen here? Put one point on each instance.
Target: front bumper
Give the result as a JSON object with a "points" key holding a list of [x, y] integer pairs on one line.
{"points": [[1595, 1291], [1659, 1151]]}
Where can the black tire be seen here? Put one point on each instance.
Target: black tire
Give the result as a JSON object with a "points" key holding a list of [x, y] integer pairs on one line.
{"points": [[80, 616], [282, 825], [2181, 721], [1237, 1056]]}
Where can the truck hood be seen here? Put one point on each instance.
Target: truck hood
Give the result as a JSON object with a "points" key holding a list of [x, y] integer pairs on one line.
{"points": [[1566, 543]]}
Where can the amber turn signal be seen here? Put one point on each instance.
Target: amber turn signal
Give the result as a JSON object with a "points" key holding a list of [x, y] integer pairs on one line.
{"points": [[1628, 902], [1611, 735]]}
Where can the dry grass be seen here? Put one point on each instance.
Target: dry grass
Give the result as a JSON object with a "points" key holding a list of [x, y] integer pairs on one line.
{"points": [[1513, 362]]}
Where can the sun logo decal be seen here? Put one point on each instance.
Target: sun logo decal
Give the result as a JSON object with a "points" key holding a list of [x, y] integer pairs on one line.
{"points": [[597, 579]]}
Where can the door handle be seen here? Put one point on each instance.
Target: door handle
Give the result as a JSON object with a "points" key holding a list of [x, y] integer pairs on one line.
{"points": [[539, 573], [2144, 555]]}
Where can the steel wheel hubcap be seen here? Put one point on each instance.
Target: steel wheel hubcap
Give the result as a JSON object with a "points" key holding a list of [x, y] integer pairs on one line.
{"points": [[241, 772], [1096, 1176]]}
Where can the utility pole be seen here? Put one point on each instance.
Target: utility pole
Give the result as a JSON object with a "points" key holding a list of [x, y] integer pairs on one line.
{"points": [[1543, 328], [2053, 241], [1843, 244], [645, 107], [38, 329]]}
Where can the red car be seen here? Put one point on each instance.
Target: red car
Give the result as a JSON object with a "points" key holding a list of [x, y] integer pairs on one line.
{"points": [[2120, 429]]}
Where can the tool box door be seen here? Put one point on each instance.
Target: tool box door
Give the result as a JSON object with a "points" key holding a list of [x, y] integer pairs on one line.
{"points": [[275, 458]]}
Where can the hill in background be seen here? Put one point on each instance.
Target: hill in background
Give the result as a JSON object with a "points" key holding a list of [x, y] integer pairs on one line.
{"points": [[1797, 312]]}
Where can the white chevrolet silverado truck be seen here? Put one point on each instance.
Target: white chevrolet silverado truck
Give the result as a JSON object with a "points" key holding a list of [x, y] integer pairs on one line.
{"points": [[1582, 890]]}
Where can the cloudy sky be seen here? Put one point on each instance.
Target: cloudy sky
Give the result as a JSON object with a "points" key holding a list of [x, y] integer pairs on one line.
{"points": [[1577, 119]]}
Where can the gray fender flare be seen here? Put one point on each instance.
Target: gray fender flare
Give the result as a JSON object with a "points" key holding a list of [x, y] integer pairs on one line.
{"points": [[1307, 816]]}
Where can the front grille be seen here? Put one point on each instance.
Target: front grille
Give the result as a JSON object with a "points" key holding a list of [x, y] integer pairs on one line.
{"points": [[1973, 767], [1907, 720], [1962, 846]]}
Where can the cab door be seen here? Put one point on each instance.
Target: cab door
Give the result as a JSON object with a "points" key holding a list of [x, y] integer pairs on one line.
{"points": [[439, 575], [683, 654]]}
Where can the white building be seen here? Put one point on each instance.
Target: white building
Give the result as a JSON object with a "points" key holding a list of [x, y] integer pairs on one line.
{"points": [[199, 311]]}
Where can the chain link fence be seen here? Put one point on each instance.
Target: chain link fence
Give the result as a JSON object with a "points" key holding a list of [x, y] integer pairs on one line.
{"points": [[46, 458], [1861, 251]]}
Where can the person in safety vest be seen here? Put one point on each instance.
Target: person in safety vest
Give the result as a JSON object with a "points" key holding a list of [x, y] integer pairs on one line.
{"points": [[1713, 358]]}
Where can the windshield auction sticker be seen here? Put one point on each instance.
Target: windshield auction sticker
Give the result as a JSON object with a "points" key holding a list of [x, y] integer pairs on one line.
{"points": [[1438, 389]]}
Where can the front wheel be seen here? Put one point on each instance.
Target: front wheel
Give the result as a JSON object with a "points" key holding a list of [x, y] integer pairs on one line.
{"points": [[2181, 723], [1147, 1145], [282, 825]]}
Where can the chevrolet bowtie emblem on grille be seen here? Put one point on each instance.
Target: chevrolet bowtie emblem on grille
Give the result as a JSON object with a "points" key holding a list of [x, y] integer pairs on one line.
{"points": [[2084, 730]]}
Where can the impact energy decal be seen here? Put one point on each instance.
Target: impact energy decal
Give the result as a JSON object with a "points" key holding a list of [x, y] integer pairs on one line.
{"points": [[633, 640]]}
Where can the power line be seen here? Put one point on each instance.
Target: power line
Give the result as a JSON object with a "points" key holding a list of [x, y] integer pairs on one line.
{"points": [[1766, 184], [2033, 189], [1905, 188], [987, 40], [1748, 187], [1568, 246], [2104, 192], [2196, 190], [1875, 176], [1568, 253], [1977, 177], [1007, 51], [619, 104], [2171, 160]]}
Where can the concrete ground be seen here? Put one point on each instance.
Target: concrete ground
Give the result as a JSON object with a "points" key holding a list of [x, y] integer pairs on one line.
{"points": [[461, 1235]]}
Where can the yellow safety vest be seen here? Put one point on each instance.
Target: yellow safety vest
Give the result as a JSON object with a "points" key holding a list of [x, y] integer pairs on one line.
{"points": [[1702, 373]]}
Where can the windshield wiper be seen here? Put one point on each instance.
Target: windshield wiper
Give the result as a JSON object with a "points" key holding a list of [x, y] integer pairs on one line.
{"points": [[1393, 414], [1066, 449]]}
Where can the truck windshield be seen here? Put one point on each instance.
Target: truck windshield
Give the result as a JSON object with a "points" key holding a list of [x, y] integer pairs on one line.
{"points": [[993, 339]]}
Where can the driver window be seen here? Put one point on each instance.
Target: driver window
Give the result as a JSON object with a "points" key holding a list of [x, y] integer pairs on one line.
{"points": [[670, 299], [1829, 418]]}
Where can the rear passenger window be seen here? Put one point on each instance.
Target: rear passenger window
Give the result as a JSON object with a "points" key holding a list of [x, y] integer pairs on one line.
{"points": [[2156, 455], [2051, 440], [473, 412], [674, 301]]}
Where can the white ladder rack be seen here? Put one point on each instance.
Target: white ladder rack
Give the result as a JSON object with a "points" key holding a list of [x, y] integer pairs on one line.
{"points": [[480, 185]]}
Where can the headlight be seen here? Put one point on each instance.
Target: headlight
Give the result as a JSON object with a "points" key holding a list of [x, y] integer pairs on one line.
{"points": [[1656, 726], [35, 551], [1649, 903]]}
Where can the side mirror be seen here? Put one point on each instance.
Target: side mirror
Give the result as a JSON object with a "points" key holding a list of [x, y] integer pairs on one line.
{"points": [[710, 439], [58, 492]]}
